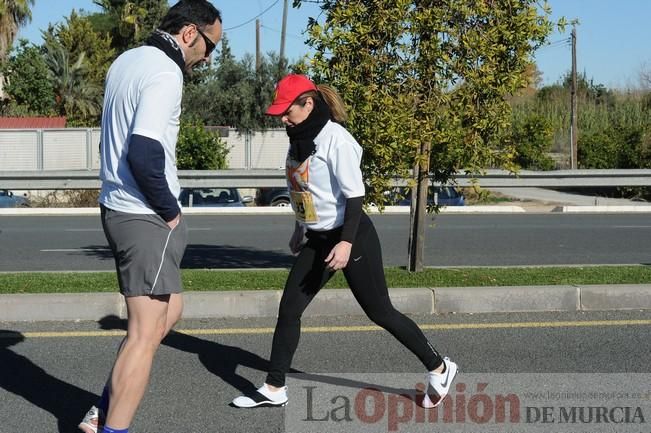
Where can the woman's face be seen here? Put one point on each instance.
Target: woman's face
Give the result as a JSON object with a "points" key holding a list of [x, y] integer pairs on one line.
{"points": [[297, 112]]}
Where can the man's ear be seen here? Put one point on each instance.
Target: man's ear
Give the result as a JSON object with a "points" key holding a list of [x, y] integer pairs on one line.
{"points": [[188, 34]]}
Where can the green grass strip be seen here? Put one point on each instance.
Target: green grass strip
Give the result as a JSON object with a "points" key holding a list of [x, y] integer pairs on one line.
{"points": [[207, 280]]}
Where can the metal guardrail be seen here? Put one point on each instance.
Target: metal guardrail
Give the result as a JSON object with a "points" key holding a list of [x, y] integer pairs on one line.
{"points": [[89, 179]]}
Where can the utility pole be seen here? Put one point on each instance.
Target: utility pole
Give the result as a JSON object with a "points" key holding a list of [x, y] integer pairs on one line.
{"points": [[258, 56], [573, 114], [283, 34]]}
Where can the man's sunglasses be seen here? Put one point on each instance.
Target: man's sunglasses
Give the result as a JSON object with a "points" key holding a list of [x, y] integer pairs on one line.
{"points": [[210, 45]]}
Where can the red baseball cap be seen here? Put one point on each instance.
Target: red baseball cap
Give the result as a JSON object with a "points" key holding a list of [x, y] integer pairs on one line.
{"points": [[287, 90]]}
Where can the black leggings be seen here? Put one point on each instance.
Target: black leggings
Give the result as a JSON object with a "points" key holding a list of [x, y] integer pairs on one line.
{"points": [[365, 276]]}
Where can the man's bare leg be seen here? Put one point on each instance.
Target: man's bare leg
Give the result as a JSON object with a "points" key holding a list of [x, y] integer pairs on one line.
{"points": [[147, 325]]}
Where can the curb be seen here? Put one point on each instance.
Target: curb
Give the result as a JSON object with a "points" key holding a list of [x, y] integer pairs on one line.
{"points": [[603, 209], [339, 302]]}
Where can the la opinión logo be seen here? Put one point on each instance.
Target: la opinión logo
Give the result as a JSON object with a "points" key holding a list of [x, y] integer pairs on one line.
{"points": [[371, 406], [584, 415]]}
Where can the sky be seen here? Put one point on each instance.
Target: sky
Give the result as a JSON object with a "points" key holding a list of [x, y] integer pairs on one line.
{"points": [[613, 36]]}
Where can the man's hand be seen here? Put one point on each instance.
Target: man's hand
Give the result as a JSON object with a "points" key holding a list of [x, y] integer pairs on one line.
{"points": [[338, 257], [175, 222]]}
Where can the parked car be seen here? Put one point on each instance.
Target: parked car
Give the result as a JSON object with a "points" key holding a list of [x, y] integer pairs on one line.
{"points": [[272, 196], [8, 199], [213, 197], [441, 195]]}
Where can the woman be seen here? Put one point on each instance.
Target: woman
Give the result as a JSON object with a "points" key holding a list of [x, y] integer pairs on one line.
{"points": [[327, 191]]}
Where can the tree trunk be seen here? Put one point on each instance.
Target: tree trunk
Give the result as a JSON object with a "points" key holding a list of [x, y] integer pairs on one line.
{"points": [[419, 211]]}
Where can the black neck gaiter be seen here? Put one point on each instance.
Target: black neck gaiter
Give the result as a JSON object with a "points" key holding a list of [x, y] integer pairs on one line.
{"points": [[301, 136], [167, 44]]}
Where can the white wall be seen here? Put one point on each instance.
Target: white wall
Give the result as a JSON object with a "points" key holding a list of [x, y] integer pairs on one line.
{"points": [[78, 149]]}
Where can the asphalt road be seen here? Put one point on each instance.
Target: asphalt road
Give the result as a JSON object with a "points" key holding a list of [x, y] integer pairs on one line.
{"points": [[76, 243], [51, 372]]}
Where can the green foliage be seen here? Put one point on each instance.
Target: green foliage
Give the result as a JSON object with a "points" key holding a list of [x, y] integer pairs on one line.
{"points": [[223, 280], [28, 82], [588, 90], [199, 149], [532, 138], [64, 77], [128, 22], [596, 150], [79, 38], [13, 15], [617, 146], [435, 72], [75, 96], [78, 59], [612, 125], [231, 93]]}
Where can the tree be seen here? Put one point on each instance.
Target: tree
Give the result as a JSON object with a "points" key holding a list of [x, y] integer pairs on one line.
{"points": [[75, 96], [421, 73], [28, 87], [588, 90], [78, 38], [232, 93], [129, 22], [13, 15], [533, 78], [427, 83]]}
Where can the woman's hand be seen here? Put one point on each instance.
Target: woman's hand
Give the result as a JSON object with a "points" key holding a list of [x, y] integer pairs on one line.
{"points": [[338, 257], [296, 241]]}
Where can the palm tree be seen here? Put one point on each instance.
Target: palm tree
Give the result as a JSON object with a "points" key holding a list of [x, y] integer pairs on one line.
{"points": [[76, 97], [13, 15], [132, 21]]}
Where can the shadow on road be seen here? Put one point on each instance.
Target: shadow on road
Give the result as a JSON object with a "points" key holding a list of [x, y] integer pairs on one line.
{"points": [[20, 376], [66, 402], [102, 252], [198, 256], [201, 256], [219, 359], [222, 360]]}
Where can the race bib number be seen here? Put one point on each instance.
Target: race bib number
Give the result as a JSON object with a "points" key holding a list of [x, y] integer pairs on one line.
{"points": [[304, 207]]}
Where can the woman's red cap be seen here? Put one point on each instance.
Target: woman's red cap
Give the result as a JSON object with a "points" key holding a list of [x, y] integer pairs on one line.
{"points": [[287, 90]]}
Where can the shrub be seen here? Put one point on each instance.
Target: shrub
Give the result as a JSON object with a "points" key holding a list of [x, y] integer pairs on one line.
{"points": [[199, 149], [532, 136], [598, 150]]}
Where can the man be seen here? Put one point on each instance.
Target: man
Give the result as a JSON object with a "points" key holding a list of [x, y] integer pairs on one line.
{"points": [[141, 215]]}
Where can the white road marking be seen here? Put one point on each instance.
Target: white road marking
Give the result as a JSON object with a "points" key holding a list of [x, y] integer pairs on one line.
{"points": [[74, 250]]}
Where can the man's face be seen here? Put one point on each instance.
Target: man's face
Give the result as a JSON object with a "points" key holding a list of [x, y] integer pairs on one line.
{"points": [[200, 43]]}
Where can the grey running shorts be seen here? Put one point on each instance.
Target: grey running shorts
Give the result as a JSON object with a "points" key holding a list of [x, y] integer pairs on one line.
{"points": [[147, 253]]}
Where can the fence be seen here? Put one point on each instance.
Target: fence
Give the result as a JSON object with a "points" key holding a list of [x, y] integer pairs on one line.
{"points": [[69, 159], [78, 149]]}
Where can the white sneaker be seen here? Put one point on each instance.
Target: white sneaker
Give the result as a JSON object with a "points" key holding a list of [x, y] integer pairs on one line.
{"points": [[438, 384], [262, 397], [91, 422]]}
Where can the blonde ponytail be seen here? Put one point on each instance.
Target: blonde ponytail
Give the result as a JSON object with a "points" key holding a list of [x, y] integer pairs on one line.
{"points": [[335, 103]]}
